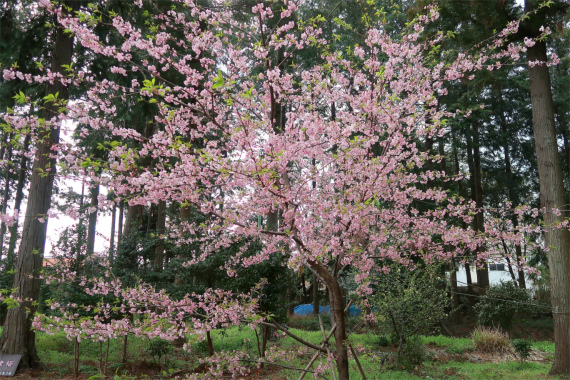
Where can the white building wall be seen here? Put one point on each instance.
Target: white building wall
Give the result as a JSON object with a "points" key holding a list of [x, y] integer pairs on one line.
{"points": [[495, 276]]}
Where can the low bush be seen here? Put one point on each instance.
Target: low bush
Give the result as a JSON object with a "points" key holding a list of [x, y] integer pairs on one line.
{"points": [[491, 340], [412, 352], [407, 304], [384, 341], [158, 348], [522, 348], [501, 303]]}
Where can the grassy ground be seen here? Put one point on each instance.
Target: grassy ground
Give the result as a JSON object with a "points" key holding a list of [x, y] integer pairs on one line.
{"points": [[446, 358]]}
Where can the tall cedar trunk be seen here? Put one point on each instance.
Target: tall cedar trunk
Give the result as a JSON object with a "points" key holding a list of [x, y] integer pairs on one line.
{"points": [[151, 218], [121, 217], [551, 196], [134, 218], [474, 162], [185, 214], [453, 268], [511, 192], [80, 235], [112, 237], [92, 228], [454, 292], [5, 200], [483, 272], [160, 230], [566, 137], [18, 337], [461, 193], [22, 174]]}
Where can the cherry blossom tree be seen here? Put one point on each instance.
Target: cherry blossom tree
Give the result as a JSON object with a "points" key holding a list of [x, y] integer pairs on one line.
{"points": [[348, 185]]}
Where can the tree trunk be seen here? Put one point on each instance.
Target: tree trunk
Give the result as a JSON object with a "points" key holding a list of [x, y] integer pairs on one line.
{"points": [[316, 302], [112, 237], [454, 292], [511, 191], [22, 174], [337, 314], [565, 136], [92, 228], [121, 217], [337, 310], [483, 272], [80, 235], [134, 217], [210, 344], [160, 230], [5, 199], [551, 196], [18, 337], [305, 297], [185, 214], [462, 193]]}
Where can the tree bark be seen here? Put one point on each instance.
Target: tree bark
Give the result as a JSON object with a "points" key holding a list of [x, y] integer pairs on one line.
{"points": [[5, 199], [185, 214], [80, 234], [483, 272], [461, 193], [92, 227], [551, 196], [121, 217], [337, 314], [160, 230], [316, 302], [510, 189], [134, 215], [22, 174], [454, 292], [18, 337], [337, 310], [112, 237]]}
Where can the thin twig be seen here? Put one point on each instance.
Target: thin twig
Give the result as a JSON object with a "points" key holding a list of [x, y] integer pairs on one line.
{"points": [[281, 365], [357, 361]]}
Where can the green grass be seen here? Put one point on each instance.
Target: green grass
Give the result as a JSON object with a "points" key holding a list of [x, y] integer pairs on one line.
{"points": [[544, 346], [56, 351], [451, 345]]}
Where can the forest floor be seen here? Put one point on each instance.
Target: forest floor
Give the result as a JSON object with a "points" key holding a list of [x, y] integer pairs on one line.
{"points": [[445, 357]]}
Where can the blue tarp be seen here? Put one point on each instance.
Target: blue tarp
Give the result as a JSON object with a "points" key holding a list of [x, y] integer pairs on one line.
{"points": [[307, 309]]}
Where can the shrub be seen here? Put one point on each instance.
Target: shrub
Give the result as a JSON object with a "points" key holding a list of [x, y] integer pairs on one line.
{"points": [[522, 348], [500, 304], [491, 340], [412, 352], [384, 341], [159, 347], [410, 303]]}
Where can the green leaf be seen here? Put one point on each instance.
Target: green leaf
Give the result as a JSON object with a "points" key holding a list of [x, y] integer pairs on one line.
{"points": [[21, 98], [218, 81]]}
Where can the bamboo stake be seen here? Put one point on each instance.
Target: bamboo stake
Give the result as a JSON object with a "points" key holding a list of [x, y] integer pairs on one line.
{"points": [[327, 345]]}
